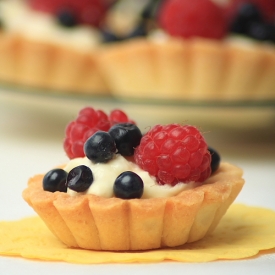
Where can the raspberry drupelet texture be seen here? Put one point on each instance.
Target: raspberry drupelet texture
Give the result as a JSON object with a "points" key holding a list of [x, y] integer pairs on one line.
{"points": [[174, 153], [88, 122]]}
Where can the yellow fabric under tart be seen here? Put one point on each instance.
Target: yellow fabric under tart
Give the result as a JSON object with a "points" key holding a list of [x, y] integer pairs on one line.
{"points": [[243, 232]]}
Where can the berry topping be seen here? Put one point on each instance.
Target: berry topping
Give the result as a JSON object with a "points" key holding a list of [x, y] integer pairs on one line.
{"points": [[55, 180], [118, 116], [100, 147], [90, 12], [88, 122], [215, 159], [250, 21], [266, 8], [174, 153], [66, 18], [80, 178], [128, 185], [185, 18], [127, 137]]}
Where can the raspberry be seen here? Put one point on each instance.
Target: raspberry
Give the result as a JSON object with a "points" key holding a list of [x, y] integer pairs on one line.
{"points": [[185, 18], [90, 12], [117, 116], [88, 122], [174, 153]]}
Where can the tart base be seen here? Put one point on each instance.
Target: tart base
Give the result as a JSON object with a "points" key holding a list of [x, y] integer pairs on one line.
{"points": [[194, 69], [98, 223], [53, 67]]}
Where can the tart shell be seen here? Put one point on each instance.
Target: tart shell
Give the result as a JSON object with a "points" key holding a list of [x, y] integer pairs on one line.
{"points": [[97, 223], [54, 67], [194, 69]]}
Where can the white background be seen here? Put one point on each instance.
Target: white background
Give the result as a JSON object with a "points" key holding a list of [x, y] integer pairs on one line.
{"points": [[31, 134]]}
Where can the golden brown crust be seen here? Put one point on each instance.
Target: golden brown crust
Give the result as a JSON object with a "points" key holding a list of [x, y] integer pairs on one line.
{"points": [[98, 223], [198, 69], [42, 65]]}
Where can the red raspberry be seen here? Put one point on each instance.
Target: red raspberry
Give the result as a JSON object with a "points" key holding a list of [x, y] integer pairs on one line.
{"points": [[117, 116], [85, 125], [174, 153], [267, 7], [185, 18], [88, 12]]}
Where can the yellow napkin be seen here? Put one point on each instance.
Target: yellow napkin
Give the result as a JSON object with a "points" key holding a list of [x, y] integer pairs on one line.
{"points": [[243, 232]]}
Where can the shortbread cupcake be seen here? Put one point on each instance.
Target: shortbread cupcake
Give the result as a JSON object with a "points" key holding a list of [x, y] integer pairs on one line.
{"points": [[41, 52], [134, 191], [196, 51]]}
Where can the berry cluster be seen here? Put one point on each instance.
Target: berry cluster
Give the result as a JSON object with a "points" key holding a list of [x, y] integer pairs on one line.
{"points": [[204, 18], [250, 21], [121, 138], [128, 185], [71, 12], [100, 148], [171, 153], [88, 122], [181, 18]]}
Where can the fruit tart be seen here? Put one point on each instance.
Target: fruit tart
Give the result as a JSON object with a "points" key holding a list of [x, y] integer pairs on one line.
{"points": [[209, 50], [52, 45], [124, 190]]}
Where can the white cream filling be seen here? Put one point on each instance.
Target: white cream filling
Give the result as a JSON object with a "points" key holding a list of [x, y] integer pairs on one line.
{"points": [[18, 18], [105, 175]]}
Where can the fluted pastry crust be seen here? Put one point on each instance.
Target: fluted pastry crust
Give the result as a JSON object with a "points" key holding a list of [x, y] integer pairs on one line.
{"points": [[50, 66], [195, 69], [92, 222]]}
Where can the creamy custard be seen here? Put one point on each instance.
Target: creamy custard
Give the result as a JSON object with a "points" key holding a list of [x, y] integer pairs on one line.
{"points": [[18, 18], [105, 174]]}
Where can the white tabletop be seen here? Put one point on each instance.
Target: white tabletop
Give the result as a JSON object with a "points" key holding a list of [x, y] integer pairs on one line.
{"points": [[31, 134]]}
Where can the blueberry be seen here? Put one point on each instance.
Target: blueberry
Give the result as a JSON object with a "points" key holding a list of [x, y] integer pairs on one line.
{"points": [[100, 147], [261, 31], [108, 36], [128, 185], [139, 30], [66, 18], [80, 178], [247, 14], [250, 12], [127, 137], [55, 180], [215, 159]]}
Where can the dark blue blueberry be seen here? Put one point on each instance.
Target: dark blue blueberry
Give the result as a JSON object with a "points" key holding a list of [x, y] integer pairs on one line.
{"points": [[66, 18], [80, 178], [261, 31], [139, 30], [215, 159], [128, 185], [108, 36], [100, 147], [127, 137], [247, 14], [55, 180]]}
